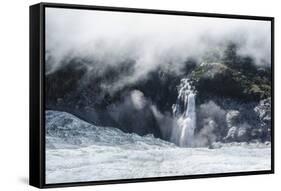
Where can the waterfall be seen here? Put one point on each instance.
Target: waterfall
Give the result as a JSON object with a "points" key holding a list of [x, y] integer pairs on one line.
{"points": [[185, 115]]}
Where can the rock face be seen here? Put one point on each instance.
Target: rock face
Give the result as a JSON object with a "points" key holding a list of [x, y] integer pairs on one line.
{"points": [[237, 131], [220, 79], [263, 111], [240, 89], [231, 134], [242, 133], [231, 76], [232, 101], [232, 118]]}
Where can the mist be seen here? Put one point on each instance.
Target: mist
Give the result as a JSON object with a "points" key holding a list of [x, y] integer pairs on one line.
{"points": [[127, 69], [151, 41]]}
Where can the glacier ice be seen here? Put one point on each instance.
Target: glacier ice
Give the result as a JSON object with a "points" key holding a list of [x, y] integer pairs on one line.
{"points": [[77, 151]]}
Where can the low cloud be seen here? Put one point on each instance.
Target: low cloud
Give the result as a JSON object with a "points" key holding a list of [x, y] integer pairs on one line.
{"points": [[150, 41], [211, 123]]}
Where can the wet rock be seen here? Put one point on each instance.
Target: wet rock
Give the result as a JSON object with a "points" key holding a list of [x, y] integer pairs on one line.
{"points": [[263, 110], [239, 133], [232, 118], [231, 134], [242, 133]]}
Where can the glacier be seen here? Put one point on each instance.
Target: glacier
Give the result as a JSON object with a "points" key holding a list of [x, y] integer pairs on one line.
{"points": [[77, 151]]}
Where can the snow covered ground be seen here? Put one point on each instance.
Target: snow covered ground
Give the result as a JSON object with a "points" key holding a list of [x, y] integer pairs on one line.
{"points": [[77, 151]]}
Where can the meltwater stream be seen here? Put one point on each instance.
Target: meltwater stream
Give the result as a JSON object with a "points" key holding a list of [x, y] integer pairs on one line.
{"points": [[185, 114]]}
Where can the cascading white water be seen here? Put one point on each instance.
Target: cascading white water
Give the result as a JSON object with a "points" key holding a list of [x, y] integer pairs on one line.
{"points": [[185, 114]]}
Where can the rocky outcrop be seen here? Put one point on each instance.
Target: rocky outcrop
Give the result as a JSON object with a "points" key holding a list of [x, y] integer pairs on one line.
{"points": [[241, 89], [232, 97], [222, 80], [237, 131], [263, 111], [240, 131], [232, 118]]}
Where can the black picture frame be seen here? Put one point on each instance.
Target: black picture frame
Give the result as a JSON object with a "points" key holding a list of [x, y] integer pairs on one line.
{"points": [[37, 98]]}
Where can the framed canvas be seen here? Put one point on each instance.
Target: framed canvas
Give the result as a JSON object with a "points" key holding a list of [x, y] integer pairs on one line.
{"points": [[121, 95]]}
